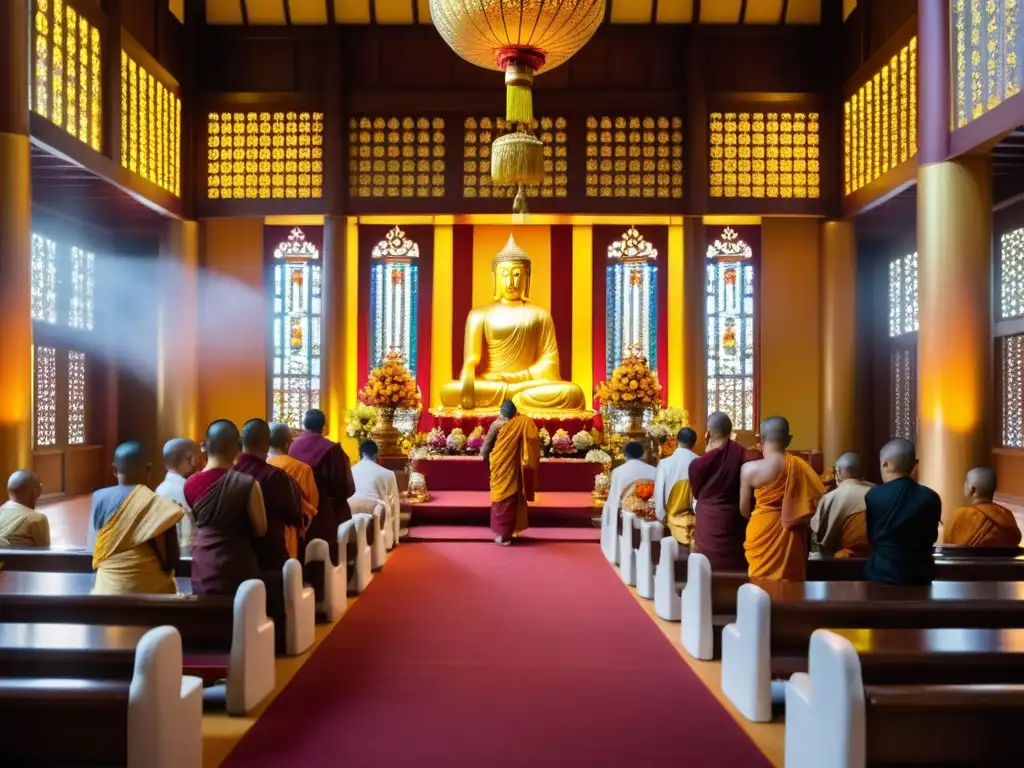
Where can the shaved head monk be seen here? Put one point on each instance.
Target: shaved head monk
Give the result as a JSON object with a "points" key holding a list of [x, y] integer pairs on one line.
{"points": [[903, 520], [299, 471], [181, 458], [715, 484], [982, 523], [135, 545], [332, 472], [779, 494], [229, 513], [511, 452], [20, 524], [839, 528]]}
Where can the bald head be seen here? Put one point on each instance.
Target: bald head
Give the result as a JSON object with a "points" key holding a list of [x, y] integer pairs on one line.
{"points": [[775, 433], [849, 467], [222, 440], [181, 455], [280, 437], [898, 459], [23, 487], [256, 437], [719, 425], [131, 463], [981, 484]]}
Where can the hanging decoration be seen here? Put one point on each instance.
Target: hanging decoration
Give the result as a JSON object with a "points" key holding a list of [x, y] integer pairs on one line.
{"points": [[521, 40]]}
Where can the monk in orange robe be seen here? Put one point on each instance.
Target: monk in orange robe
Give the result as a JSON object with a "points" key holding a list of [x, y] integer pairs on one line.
{"points": [[779, 494], [839, 527], [512, 452], [299, 471], [983, 523]]}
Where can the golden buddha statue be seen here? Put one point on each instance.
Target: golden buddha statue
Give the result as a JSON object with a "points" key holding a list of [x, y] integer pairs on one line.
{"points": [[511, 351]]}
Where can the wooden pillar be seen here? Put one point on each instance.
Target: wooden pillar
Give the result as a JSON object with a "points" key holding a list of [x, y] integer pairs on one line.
{"points": [[177, 375], [15, 242], [839, 338], [695, 392]]}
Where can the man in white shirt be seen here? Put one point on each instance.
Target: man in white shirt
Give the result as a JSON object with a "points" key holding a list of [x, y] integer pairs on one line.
{"points": [[181, 457], [20, 524], [376, 483], [623, 478], [672, 496]]}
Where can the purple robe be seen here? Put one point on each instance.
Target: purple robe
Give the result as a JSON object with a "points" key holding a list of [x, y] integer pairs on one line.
{"points": [[282, 502], [332, 472], [721, 529]]}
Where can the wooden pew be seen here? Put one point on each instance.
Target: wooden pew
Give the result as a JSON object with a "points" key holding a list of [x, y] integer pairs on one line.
{"points": [[611, 532], [775, 621], [138, 711], [381, 532], [63, 560], [233, 634], [907, 696]]}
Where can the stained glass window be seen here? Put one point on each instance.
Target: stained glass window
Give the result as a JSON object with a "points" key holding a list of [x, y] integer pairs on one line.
{"points": [[45, 400], [1011, 381], [80, 314], [476, 164], [396, 157], [987, 53], [903, 309], [298, 300], [635, 157], [903, 382], [264, 155], [44, 279], [394, 286], [1011, 274], [66, 78], [731, 330], [76, 398], [632, 281], [150, 126]]}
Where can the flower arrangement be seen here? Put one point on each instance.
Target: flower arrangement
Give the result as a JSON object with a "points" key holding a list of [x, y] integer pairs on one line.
{"points": [[436, 440], [644, 490], [658, 432], [545, 437], [597, 456], [456, 441], [582, 441], [633, 384], [561, 443], [673, 419], [360, 421], [476, 440], [391, 385]]}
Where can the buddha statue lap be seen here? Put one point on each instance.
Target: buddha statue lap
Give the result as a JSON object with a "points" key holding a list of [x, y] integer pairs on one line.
{"points": [[511, 351]]}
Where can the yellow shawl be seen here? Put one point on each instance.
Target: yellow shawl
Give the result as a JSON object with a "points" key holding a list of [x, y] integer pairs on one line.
{"points": [[123, 559], [516, 447]]}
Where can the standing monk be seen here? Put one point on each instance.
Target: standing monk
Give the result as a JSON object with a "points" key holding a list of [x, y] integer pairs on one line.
{"points": [[300, 472], [715, 484], [839, 527], [333, 474], [903, 521], [983, 523], [511, 449], [779, 494]]}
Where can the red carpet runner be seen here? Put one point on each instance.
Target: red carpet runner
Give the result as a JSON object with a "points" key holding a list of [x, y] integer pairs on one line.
{"points": [[463, 654]]}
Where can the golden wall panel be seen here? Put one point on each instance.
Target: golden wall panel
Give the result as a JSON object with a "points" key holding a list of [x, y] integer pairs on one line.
{"points": [[150, 127], [396, 157], [635, 157], [476, 161]]}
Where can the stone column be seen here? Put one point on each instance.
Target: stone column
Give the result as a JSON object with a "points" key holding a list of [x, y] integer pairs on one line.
{"points": [[15, 242], [177, 376], [839, 334]]}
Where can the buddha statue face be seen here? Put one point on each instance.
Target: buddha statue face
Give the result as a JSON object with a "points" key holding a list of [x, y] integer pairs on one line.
{"points": [[512, 280]]}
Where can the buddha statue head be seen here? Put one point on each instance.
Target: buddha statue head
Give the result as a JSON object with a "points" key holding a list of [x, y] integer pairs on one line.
{"points": [[512, 272]]}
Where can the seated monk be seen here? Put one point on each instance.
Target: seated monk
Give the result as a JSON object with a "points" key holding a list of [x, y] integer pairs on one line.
{"points": [[299, 471], [511, 351], [20, 524], [983, 523], [839, 528], [779, 494], [673, 500], [510, 451], [136, 544], [715, 483], [903, 521]]}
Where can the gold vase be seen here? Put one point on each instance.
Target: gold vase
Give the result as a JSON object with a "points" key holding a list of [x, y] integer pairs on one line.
{"points": [[385, 435], [602, 485], [635, 430]]}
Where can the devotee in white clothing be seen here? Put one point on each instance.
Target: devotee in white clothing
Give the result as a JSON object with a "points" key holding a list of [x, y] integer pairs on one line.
{"points": [[181, 458], [623, 477], [673, 499], [374, 481], [20, 524]]}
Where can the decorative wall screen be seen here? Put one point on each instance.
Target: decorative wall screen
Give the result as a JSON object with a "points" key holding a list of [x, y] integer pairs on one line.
{"points": [[150, 127], [880, 121], [1011, 274], [66, 79], [903, 308], [903, 386], [394, 296], [62, 284], [476, 163], [396, 157], [298, 305], [987, 55], [632, 309], [76, 398], [635, 157], [44, 279], [1011, 387], [45, 397], [731, 329]]}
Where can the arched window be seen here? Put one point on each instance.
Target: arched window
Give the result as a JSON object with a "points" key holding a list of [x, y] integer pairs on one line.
{"points": [[632, 283], [394, 290], [298, 287], [903, 324], [731, 330]]}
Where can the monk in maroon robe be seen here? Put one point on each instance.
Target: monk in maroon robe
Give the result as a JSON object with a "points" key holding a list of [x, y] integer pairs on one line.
{"points": [[280, 498], [333, 474], [715, 483]]}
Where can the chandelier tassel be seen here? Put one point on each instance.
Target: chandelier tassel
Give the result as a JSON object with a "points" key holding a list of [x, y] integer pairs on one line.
{"points": [[520, 213]]}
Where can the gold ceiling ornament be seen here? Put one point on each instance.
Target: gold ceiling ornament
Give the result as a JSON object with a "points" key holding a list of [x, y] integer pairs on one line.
{"points": [[516, 159]]}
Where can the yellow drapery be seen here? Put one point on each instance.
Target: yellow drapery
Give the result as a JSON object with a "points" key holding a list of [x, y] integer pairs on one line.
{"points": [[516, 448]]}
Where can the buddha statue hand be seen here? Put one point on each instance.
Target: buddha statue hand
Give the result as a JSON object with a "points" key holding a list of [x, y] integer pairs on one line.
{"points": [[467, 382]]}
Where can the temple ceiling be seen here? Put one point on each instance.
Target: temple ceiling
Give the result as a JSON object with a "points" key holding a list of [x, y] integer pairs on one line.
{"points": [[312, 12]]}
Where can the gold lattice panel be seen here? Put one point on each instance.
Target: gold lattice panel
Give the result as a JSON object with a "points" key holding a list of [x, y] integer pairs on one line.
{"points": [[765, 155], [65, 66], [150, 127], [396, 157], [880, 121], [476, 162], [264, 155], [635, 157]]}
